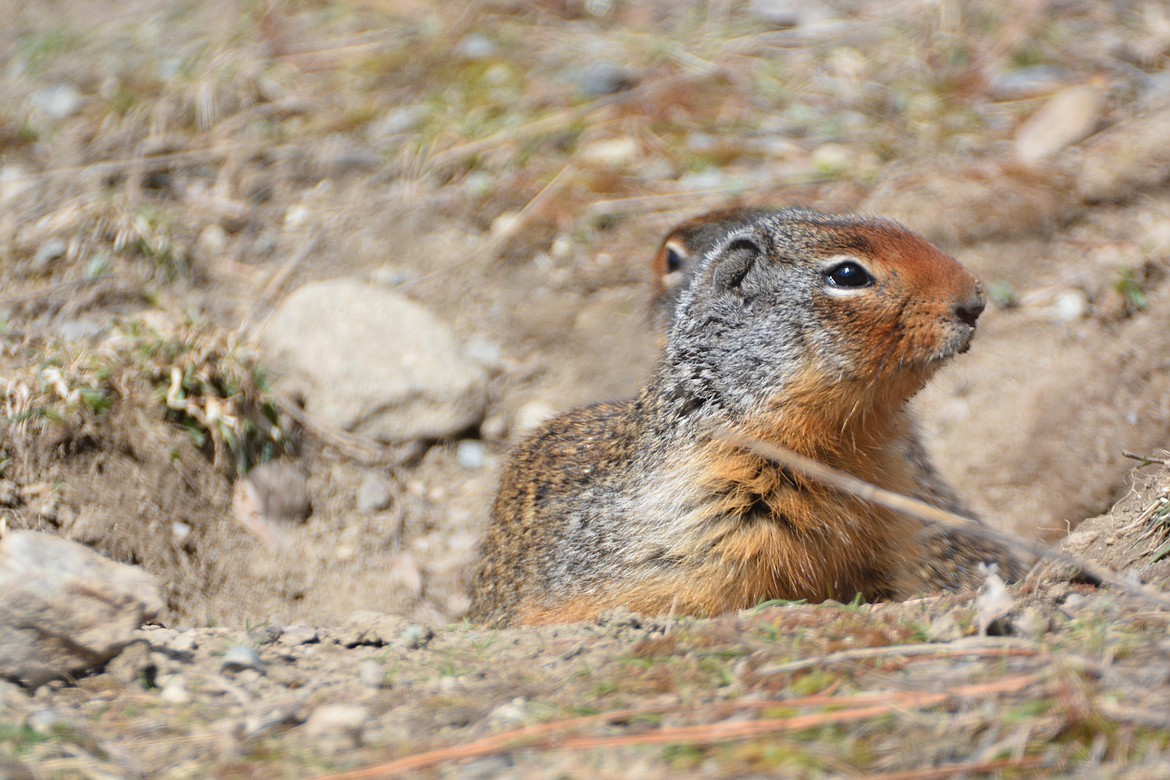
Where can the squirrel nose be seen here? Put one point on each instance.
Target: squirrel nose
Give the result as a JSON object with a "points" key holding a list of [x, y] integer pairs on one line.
{"points": [[969, 311]]}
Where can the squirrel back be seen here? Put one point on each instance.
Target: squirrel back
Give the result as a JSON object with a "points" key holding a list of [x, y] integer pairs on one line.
{"points": [[808, 330]]}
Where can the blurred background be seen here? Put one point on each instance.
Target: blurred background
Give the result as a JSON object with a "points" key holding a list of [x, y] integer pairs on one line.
{"points": [[280, 283]]}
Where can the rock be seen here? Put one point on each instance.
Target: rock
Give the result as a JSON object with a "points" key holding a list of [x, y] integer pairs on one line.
{"points": [[185, 642], [59, 101], [45, 722], [470, 454], [994, 602], [530, 416], [485, 352], [790, 13], [175, 690], [1026, 82], [280, 491], [379, 629], [603, 78], [336, 724], [368, 360], [402, 570], [1067, 117], [81, 329], [133, 665], [46, 253], [610, 152], [402, 120], [213, 240], [1132, 155], [509, 714], [374, 493], [415, 636], [180, 531], [943, 628], [338, 156], [272, 496], [476, 46], [66, 609], [298, 635], [240, 657], [9, 494], [371, 674]]}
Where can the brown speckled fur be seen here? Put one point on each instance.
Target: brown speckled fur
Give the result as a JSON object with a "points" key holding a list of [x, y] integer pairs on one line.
{"points": [[641, 504]]}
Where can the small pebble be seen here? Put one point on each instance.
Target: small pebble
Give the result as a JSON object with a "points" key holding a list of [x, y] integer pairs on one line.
{"points": [[1031, 624], [402, 120], [512, 713], [299, 635], [1071, 305], [943, 629], [49, 251], [529, 417], [337, 720], [371, 674], [185, 642], [484, 351], [60, 101], [9, 493], [45, 722], [415, 636], [1073, 604], [611, 152], [213, 240], [603, 78], [239, 658], [470, 454], [476, 47], [175, 690], [180, 531], [374, 494]]}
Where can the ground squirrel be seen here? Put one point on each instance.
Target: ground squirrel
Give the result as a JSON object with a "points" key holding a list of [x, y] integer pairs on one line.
{"points": [[804, 329]]}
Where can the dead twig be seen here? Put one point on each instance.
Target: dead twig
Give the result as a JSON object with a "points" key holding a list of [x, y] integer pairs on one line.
{"points": [[1145, 459], [920, 510], [851, 708]]}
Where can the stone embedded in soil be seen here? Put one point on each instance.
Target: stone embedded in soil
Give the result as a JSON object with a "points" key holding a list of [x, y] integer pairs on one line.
{"points": [[374, 493], [371, 673], [471, 455], [379, 629], [337, 725], [298, 635], [1069, 116], [240, 658], [371, 361], [66, 609]]}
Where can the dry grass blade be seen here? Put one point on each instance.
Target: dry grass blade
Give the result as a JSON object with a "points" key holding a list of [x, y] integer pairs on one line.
{"points": [[930, 514], [980, 647], [850, 708]]}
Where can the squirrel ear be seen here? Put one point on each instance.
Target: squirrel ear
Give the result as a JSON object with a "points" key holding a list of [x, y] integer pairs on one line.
{"points": [[738, 258]]}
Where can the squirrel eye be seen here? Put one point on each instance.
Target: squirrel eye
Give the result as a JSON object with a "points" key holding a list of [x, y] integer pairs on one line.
{"points": [[848, 274], [673, 261]]}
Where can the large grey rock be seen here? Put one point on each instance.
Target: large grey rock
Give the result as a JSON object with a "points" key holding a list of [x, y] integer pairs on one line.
{"points": [[65, 609], [371, 361]]}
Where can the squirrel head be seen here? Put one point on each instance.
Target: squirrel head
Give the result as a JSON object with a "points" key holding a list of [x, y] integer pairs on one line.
{"points": [[795, 306]]}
